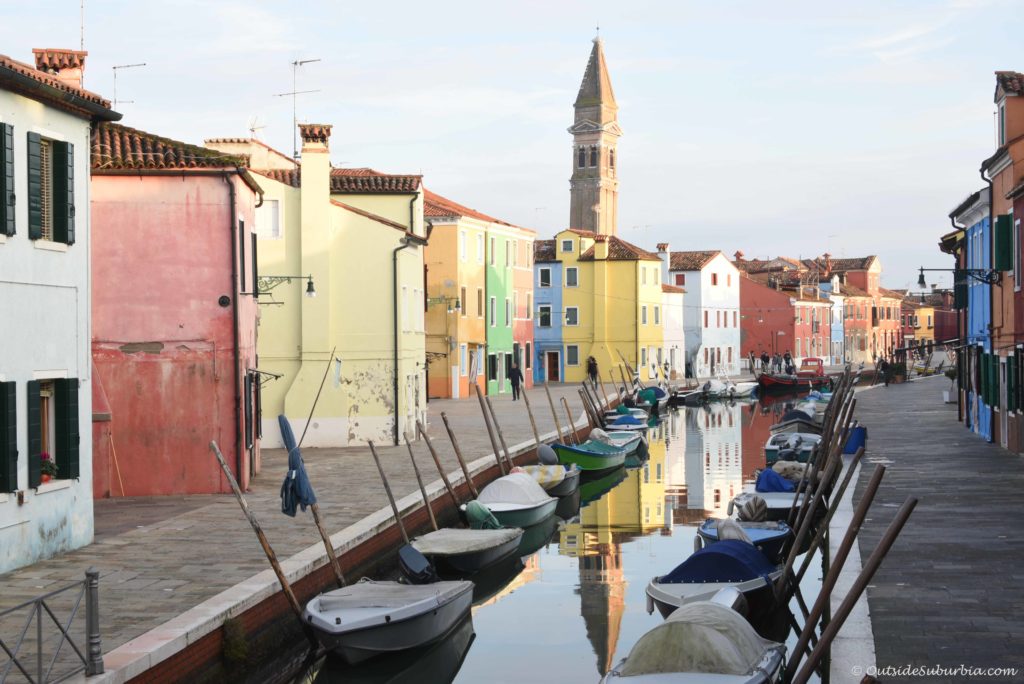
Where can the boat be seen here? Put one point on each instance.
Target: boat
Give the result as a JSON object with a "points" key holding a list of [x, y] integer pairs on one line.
{"points": [[778, 504], [630, 440], [454, 551], [795, 446], [371, 618], [516, 500], [628, 423], [638, 413], [728, 563], [702, 642], [537, 536], [557, 480], [591, 456], [768, 537], [811, 375]]}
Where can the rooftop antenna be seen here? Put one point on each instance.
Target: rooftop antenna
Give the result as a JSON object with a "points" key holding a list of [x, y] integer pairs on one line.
{"points": [[123, 66], [295, 120], [81, 25], [253, 127]]}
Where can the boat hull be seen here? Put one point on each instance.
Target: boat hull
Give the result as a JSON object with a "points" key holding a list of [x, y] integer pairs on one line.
{"points": [[760, 596], [525, 517], [588, 461], [769, 541], [569, 484], [787, 383], [468, 563]]}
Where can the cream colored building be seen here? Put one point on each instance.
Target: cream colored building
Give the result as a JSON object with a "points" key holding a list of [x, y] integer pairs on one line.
{"points": [[358, 236]]}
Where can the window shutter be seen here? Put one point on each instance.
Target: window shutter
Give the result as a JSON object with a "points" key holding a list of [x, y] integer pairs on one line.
{"points": [[35, 188], [8, 437], [66, 427], [35, 435], [7, 225], [248, 399], [64, 192], [960, 295], [1003, 257]]}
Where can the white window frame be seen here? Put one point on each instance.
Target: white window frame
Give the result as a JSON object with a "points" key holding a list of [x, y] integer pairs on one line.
{"points": [[494, 244], [515, 304], [540, 276], [643, 315], [269, 213], [576, 312], [1016, 255], [508, 255], [463, 353], [493, 313], [657, 315], [529, 306], [480, 248], [576, 347], [643, 275], [508, 312], [462, 245], [576, 273], [541, 310], [515, 253], [569, 242]]}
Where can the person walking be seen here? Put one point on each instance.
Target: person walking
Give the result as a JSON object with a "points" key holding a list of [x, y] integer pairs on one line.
{"points": [[777, 362], [592, 369], [515, 376], [884, 367], [788, 359], [765, 361]]}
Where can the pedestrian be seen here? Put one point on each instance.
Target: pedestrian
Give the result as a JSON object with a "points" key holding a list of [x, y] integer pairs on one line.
{"points": [[765, 360], [884, 367], [592, 369], [777, 362], [788, 358], [516, 377]]}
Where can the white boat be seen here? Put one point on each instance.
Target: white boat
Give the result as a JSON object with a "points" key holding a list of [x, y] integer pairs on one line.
{"points": [[462, 551], [801, 443], [778, 504], [371, 618], [516, 500], [635, 412], [702, 642]]}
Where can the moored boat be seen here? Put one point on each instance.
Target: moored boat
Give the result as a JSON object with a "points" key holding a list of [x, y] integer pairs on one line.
{"points": [[768, 537], [557, 480], [461, 551], [795, 446], [516, 500], [591, 456]]}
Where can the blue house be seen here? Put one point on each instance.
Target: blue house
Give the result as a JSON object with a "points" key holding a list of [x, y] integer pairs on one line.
{"points": [[980, 386], [548, 363], [837, 347]]}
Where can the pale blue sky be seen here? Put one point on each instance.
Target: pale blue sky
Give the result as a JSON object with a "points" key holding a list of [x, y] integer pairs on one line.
{"points": [[785, 127]]}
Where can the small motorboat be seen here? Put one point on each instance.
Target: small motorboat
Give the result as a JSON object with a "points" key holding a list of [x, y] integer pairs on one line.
{"points": [[728, 563], [638, 413], [516, 500], [371, 618], [557, 480], [777, 504], [768, 537], [630, 440], [796, 421], [592, 456], [790, 446], [628, 423], [702, 642], [454, 551]]}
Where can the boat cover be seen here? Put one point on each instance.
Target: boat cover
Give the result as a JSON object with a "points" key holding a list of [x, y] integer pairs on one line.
{"points": [[728, 528], [699, 637], [517, 488], [369, 603], [796, 414], [451, 541], [547, 476], [599, 435], [726, 561], [480, 517], [627, 420], [597, 448], [771, 481]]}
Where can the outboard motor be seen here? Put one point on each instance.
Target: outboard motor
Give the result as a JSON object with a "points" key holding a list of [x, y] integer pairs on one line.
{"points": [[546, 455], [415, 566]]}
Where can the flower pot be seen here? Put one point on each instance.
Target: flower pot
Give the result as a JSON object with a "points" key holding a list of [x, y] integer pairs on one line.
{"points": [[44, 478]]}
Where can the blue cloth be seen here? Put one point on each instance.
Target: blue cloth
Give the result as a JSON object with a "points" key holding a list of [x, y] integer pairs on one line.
{"points": [[627, 420], [296, 490], [730, 560], [771, 481]]}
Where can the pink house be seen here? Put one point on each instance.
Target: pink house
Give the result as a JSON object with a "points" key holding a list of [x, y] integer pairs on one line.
{"points": [[174, 313]]}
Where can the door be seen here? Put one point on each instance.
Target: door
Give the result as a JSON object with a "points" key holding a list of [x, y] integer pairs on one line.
{"points": [[551, 367], [1003, 418], [502, 371]]}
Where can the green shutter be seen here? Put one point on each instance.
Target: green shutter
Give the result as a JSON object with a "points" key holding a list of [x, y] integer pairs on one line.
{"points": [[35, 188], [8, 437], [63, 192], [35, 435], [960, 295], [66, 427], [1003, 257], [7, 225]]}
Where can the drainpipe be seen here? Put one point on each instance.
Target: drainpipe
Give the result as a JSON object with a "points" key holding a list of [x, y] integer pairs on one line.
{"points": [[961, 360], [405, 242], [236, 287], [991, 258]]}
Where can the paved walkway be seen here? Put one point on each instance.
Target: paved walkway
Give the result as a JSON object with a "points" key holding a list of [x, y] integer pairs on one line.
{"points": [[158, 557], [950, 591]]}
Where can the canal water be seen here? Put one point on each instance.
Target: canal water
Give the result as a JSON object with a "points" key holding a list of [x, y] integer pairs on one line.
{"points": [[574, 604]]}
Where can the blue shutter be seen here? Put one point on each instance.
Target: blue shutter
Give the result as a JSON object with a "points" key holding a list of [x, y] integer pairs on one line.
{"points": [[66, 427], [35, 435], [8, 437], [63, 192], [7, 225]]}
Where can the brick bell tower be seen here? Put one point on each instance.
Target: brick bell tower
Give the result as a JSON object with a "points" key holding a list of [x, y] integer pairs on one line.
{"points": [[594, 185]]}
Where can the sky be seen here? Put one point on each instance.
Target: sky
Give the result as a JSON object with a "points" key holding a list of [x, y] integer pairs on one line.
{"points": [[792, 127]]}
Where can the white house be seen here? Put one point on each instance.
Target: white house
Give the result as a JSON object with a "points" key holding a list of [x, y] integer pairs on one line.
{"points": [[712, 318], [672, 306], [45, 368]]}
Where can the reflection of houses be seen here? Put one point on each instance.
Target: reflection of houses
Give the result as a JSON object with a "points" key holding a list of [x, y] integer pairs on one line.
{"points": [[530, 572], [720, 429]]}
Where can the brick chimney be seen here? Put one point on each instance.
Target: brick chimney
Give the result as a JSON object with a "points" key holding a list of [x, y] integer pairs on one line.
{"points": [[600, 247], [828, 262], [738, 256], [67, 65]]}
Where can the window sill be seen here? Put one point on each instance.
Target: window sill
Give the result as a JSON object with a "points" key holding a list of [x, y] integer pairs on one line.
{"points": [[53, 486], [50, 246]]}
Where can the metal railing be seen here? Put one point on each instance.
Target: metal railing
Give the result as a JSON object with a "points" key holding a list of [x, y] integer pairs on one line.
{"points": [[21, 657]]}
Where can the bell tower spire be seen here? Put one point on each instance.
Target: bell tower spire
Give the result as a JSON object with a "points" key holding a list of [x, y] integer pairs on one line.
{"points": [[594, 185]]}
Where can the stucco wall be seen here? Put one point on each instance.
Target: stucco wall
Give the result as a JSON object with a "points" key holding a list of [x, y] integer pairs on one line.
{"points": [[703, 296]]}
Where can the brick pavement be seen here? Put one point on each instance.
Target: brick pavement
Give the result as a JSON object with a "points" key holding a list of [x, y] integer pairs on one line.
{"points": [[949, 592], [160, 556]]}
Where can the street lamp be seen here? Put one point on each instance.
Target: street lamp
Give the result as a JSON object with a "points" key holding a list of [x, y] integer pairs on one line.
{"points": [[447, 300], [988, 276], [264, 284]]}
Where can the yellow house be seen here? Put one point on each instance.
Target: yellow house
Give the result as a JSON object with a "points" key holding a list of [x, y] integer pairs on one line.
{"points": [[612, 304], [355, 238]]}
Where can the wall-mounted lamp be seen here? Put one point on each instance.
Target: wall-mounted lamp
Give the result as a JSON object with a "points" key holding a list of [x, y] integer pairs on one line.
{"points": [[453, 302], [960, 275], [264, 284]]}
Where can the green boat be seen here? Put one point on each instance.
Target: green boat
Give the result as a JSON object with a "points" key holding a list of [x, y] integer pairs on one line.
{"points": [[591, 455]]}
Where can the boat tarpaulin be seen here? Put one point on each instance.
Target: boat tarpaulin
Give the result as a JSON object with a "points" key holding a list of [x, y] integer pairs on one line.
{"points": [[771, 481], [517, 488], [725, 561]]}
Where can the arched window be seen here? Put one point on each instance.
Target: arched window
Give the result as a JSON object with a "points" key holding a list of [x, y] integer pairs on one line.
{"points": [[593, 156], [611, 158], [581, 157]]}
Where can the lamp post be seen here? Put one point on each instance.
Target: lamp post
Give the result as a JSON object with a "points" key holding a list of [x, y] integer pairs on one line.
{"points": [[989, 276], [264, 284]]}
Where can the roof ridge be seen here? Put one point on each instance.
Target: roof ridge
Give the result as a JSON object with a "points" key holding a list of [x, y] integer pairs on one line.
{"points": [[116, 146]]}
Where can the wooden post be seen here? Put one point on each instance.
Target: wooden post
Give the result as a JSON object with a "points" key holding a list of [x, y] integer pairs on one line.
{"points": [[607, 404], [572, 426], [554, 414], [458, 455], [808, 515], [271, 556], [586, 408], [490, 431], [533, 423], [437, 462], [391, 497], [419, 481], [627, 386], [618, 394], [501, 435], [315, 508]]}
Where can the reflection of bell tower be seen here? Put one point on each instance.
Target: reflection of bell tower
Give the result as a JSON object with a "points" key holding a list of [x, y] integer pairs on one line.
{"points": [[594, 186], [602, 600]]}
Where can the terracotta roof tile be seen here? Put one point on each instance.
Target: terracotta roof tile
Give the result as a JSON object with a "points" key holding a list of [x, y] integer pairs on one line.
{"points": [[840, 265], [437, 205], [852, 291], [370, 215], [57, 58], [369, 182], [620, 250], [1011, 82], [544, 251], [290, 177], [691, 261], [673, 289], [249, 141], [22, 69], [891, 294], [118, 147], [313, 132]]}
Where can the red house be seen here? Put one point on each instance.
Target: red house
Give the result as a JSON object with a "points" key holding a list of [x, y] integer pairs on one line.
{"points": [[780, 315], [174, 315]]}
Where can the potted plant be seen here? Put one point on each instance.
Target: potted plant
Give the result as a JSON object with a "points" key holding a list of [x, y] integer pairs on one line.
{"points": [[948, 394], [48, 467], [899, 372]]}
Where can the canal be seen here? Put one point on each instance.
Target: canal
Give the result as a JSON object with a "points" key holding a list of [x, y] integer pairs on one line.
{"points": [[574, 604]]}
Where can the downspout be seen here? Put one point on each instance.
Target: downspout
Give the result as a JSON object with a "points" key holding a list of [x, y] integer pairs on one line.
{"points": [[961, 342], [236, 287], [405, 242], [636, 317], [992, 259]]}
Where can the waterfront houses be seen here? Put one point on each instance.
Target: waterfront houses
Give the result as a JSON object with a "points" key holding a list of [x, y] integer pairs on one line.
{"points": [[548, 366], [46, 376], [781, 314], [508, 292], [327, 232], [673, 311], [176, 222]]}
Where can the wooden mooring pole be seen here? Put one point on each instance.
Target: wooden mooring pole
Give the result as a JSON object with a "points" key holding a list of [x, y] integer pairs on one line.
{"points": [[437, 462], [387, 489], [490, 430], [419, 481], [501, 435], [554, 414], [458, 455]]}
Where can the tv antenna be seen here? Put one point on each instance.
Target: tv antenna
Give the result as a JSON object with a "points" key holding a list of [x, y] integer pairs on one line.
{"points": [[254, 126], [123, 66], [295, 120]]}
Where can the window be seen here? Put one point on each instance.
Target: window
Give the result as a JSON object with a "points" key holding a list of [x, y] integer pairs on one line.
{"points": [[581, 157], [729, 359], [529, 357], [728, 279], [53, 427], [572, 355], [480, 351], [657, 276], [714, 279], [680, 279], [643, 275], [544, 316], [566, 245], [797, 347], [493, 312], [463, 370], [718, 319], [508, 257], [515, 252], [508, 313], [705, 355], [572, 277], [493, 243], [515, 305], [463, 304], [572, 315], [1002, 123], [643, 356], [929, 321], [480, 249], [479, 302], [268, 220], [643, 314], [657, 315], [492, 367], [593, 156], [529, 306], [462, 246], [611, 158], [8, 437], [544, 277], [51, 190], [705, 318], [1016, 255], [7, 225], [734, 319]]}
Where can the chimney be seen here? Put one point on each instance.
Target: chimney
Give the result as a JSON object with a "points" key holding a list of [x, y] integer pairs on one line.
{"points": [[67, 65], [666, 261], [738, 256], [828, 263], [600, 247]]}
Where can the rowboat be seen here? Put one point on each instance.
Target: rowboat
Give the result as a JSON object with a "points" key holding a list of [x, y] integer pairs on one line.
{"points": [[371, 618], [728, 563], [557, 480], [640, 414], [778, 504], [795, 446], [627, 423], [768, 537], [516, 500], [454, 551], [592, 456], [629, 440]]}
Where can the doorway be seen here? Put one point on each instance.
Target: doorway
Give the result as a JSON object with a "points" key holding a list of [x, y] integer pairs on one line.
{"points": [[551, 367]]}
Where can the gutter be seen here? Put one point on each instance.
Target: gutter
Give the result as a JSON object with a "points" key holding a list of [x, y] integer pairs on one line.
{"points": [[31, 87], [242, 172], [991, 251]]}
